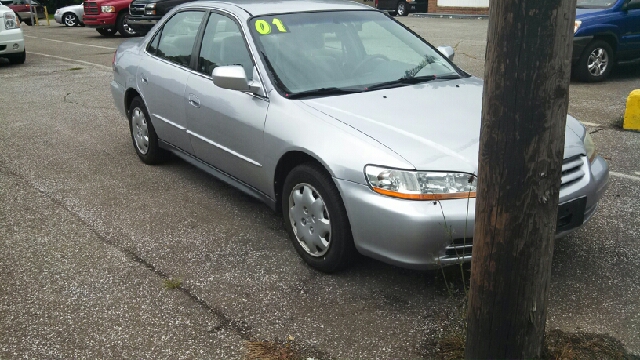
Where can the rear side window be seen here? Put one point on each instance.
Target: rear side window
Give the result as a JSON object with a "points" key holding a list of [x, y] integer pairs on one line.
{"points": [[175, 40], [223, 44]]}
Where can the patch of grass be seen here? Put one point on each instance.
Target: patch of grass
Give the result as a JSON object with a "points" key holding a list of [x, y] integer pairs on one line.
{"points": [[172, 283], [74, 69], [267, 350], [558, 345]]}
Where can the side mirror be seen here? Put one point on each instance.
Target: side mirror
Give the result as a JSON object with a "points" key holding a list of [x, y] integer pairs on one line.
{"points": [[447, 51], [233, 77]]}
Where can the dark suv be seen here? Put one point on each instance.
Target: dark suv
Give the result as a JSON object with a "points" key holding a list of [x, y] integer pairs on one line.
{"points": [[144, 14], [401, 7], [606, 32]]}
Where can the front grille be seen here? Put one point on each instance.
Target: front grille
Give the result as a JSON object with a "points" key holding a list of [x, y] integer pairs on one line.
{"points": [[572, 170], [136, 9], [91, 8], [459, 248]]}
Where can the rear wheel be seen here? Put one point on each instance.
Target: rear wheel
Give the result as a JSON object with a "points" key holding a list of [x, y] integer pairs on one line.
{"points": [[145, 139], [17, 58], [316, 219], [123, 27], [106, 31], [596, 62]]}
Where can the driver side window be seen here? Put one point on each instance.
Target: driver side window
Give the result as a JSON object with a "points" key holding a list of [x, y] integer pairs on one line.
{"points": [[223, 44], [633, 4]]}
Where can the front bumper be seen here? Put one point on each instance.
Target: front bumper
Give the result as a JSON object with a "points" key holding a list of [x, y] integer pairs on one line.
{"points": [[138, 24], [58, 18], [103, 20], [428, 235], [11, 42]]}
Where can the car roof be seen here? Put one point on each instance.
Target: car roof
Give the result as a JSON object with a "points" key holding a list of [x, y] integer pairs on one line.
{"points": [[262, 7]]}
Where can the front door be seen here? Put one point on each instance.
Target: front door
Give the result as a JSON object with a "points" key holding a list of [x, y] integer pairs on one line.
{"points": [[629, 47], [162, 76], [226, 126]]}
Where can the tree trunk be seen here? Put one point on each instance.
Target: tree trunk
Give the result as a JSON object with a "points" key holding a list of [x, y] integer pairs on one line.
{"points": [[525, 100]]}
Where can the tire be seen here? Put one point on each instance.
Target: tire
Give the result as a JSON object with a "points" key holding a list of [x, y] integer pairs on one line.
{"points": [[106, 31], [401, 9], [70, 20], [143, 135], [17, 58], [595, 63], [312, 182], [122, 26]]}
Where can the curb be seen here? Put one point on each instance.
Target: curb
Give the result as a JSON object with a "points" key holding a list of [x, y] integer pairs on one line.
{"points": [[632, 111], [451, 16]]}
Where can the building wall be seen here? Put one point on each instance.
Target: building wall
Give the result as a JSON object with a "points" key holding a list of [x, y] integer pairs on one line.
{"points": [[474, 7]]}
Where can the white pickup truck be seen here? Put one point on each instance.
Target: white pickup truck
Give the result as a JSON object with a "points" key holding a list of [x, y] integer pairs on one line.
{"points": [[11, 37]]}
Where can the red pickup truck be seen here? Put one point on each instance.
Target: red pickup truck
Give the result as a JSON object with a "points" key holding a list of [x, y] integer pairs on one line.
{"points": [[108, 17]]}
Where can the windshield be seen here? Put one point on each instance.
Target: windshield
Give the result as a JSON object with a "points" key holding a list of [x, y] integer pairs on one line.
{"points": [[347, 50], [595, 4]]}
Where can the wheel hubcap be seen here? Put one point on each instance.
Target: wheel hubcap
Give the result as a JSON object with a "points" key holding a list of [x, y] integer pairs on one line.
{"points": [[310, 219], [68, 20], [140, 130], [126, 26], [598, 61], [401, 9]]}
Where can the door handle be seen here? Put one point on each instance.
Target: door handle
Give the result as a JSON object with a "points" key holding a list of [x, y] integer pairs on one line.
{"points": [[194, 101], [143, 78]]}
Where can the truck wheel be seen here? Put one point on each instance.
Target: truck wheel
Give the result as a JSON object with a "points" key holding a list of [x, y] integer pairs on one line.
{"points": [[595, 62], [106, 31], [123, 28], [17, 58], [401, 10]]}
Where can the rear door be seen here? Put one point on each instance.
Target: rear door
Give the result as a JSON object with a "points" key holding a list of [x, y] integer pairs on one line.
{"points": [[629, 46], [162, 76]]}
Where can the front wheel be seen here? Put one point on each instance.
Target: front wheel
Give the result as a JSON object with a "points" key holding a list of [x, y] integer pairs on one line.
{"points": [[596, 62], [123, 27], [70, 20], [106, 31], [17, 58], [316, 219], [401, 10]]}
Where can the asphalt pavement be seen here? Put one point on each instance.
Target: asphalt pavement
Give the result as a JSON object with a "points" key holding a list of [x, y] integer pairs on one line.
{"points": [[90, 234]]}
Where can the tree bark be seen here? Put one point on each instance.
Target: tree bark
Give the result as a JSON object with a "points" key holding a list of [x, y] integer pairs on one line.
{"points": [[525, 100]]}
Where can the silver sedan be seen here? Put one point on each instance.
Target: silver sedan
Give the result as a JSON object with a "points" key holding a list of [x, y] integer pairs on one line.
{"points": [[70, 15], [363, 135]]}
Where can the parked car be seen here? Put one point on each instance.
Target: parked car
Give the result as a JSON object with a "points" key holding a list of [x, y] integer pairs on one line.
{"points": [[108, 17], [362, 135], [25, 8], [606, 32], [144, 14], [70, 15], [401, 7], [11, 37]]}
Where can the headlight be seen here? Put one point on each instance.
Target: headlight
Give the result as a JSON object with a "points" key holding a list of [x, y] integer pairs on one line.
{"points": [[108, 9], [57, 11], [577, 26], [10, 21], [420, 185], [150, 9], [590, 146]]}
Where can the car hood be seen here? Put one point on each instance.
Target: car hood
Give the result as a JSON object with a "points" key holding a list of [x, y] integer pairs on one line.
{"points": [[583, 13], [433, 126]]}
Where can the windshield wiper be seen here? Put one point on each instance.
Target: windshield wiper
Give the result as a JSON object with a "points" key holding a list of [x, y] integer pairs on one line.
{"points": [[401, 82], [323, 92]]}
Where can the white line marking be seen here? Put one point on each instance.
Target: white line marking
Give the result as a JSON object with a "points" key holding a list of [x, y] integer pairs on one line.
{"points": [[637, 172], [72, 43], [590, 123], [74, 60], [631, 177]]}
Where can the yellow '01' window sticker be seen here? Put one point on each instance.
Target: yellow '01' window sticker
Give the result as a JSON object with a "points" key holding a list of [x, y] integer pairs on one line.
{"points": [[264, 28]]}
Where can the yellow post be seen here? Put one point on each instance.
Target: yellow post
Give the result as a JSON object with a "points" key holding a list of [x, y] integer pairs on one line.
{"points": [[46, 15], [632, 113], [36, 15]]}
